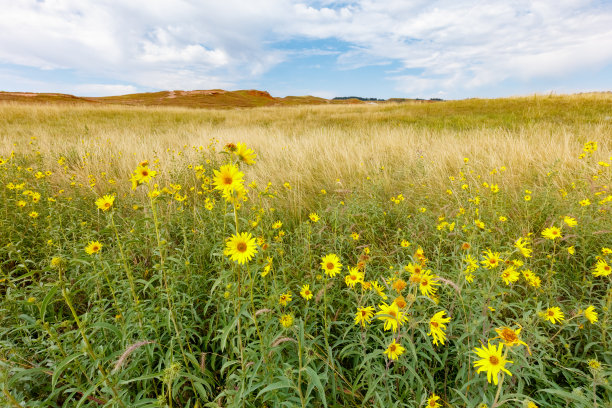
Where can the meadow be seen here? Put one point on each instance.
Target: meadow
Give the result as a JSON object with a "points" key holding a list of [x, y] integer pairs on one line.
{"points": [[448, 254]]}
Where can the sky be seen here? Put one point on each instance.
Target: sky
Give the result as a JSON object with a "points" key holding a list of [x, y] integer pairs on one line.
{"points": [[450, 49]]}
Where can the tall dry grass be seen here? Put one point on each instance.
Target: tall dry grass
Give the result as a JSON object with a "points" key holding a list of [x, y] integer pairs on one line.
{"points": [[407, 146]]}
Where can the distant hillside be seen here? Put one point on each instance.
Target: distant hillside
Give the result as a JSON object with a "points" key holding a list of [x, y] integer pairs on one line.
{"points": [[213, 98]]}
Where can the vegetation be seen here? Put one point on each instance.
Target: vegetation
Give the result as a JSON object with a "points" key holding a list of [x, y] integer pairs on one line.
{"points": [[399, 255]]}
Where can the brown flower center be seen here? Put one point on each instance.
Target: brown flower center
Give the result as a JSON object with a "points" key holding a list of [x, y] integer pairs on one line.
{"points": [[227, 180], [551, 313], [392, 348], [329, 266], [435, 324], [493, 360], [241, 247]]}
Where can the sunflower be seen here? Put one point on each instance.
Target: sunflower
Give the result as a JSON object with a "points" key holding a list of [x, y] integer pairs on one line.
{"points": [[376, 287], [553, 314], [590, 314], [491, 361], [432, 402], [602, 268], [394, 350], [331, 265], [93, 247], [305, 292], [354, 277], [245, 154], [143, 174], [286, 320], [364, 315], [428, 283], [391, 315], [522, 245], [399, 285], [510, 275], [227, 178], [106, 202], [241, 248], [491, 259], [284, 298], [437, 325], [511, 337], [552, 233], [314, 217], [571, 222]]}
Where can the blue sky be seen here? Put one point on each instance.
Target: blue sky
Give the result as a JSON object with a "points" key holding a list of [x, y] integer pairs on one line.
{"points": [[393, 48]]}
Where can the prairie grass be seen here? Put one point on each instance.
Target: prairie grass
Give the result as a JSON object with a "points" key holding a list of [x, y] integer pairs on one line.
{"points": [[174, 295]]}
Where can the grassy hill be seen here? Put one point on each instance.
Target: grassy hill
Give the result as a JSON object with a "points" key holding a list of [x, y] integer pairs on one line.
{"points": [[213, 98]]}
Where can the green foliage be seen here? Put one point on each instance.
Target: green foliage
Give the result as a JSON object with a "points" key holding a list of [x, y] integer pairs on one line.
{"points": [[160, 316]]}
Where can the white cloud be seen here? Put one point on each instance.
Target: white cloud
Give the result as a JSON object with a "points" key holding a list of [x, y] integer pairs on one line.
{"points": [[456, 45]]}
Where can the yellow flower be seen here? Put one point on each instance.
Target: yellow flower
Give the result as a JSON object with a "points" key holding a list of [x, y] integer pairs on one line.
{"points": [[522, 245], [355, 236], [33, 214], [571, 250], [143, 174], [277, 225], [106, 202], [491, 361], [364, 315], [510, 275], [314, 217], [553, 315], [511, 337], [228, 178], [571, 222], [491, 259], [531, 278], [305, 292], [284, 298], [502, 218], [394, 350], [552, 233], [391, 315], [602, 268], [245, 154], [399, 285], [353, 277], [378, 289], [585, 203], [241, 248], [331, 265], [590, 314], [21, 203], [527, 197], [428, 283], [432, 402], [286, 320], [437, 325], [93, 247], [405, 243]]}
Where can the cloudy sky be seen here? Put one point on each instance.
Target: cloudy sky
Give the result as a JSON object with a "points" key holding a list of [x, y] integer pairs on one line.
{"points": [[373, 48]]}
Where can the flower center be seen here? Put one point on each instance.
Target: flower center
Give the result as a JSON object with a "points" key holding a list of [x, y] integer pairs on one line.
{"points": [[227, 180], [329, 266], [144, 173], [392, 348], [493, 360], [392, 313], [241, 247], [435, 324], [353, 277], [424, 282], [551, 313]]}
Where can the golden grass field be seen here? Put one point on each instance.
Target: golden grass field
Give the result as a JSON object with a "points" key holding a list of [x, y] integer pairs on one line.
{"points": [[312, 146]]}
